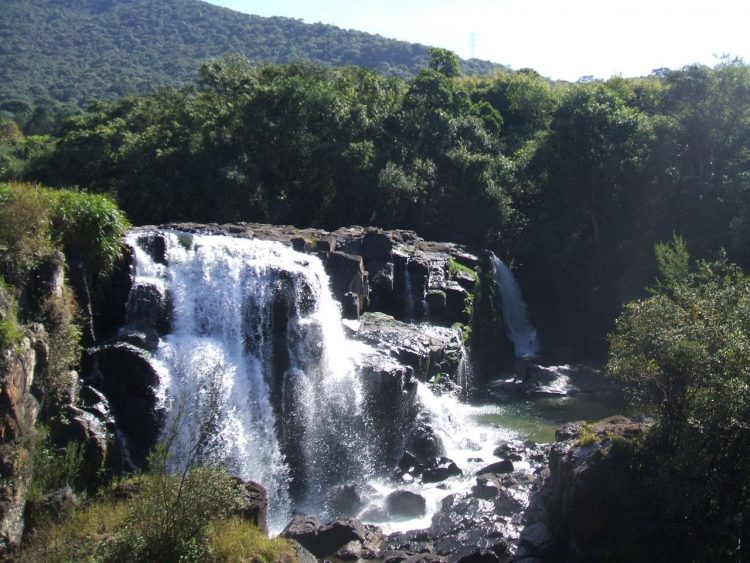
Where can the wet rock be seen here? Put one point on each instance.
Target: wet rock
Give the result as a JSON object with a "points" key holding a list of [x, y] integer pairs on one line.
{"points": [[507, 450], [424, 443], [129, 381], [150, 309], [536, 540], [405, 504], [504, 466], [324, 540], [348, 276], [345, 501], [485, 489], [440, 470], [254, 504]]}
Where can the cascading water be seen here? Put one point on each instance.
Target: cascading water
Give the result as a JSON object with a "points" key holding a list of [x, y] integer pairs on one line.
{"points": [[257, 367], [513, 308]]}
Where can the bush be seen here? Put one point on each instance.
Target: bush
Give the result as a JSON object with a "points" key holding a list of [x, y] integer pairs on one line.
{"points": [[684, 353], [237, 540], [89, 227], [24, 229]]}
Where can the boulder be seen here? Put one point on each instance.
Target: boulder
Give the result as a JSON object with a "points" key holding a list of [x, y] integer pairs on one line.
{"points": [[345, 501], [425, 444], [405, 504], [149, 309], [254, 504], [126, 377], [325, 540], [504, 466], [442, 469]]}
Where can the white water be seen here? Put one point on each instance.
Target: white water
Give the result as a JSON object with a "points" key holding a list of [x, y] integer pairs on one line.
{"points": [[515, 316], [468, 442], [219, 366], [258, 365]]}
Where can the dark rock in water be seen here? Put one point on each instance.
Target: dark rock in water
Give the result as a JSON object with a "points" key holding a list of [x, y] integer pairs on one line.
{"points": [[127, 378], [345, 501], [150, 308], [442, 469], [154, 244], [144, 339], [405, 504], [254, 504], [485, 489], [347, 275], [509, 451], [504, 466], [424, 443], [324, 540]]}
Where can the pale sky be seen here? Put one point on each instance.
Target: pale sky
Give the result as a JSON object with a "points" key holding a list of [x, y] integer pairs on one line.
{"points": [[560, 39]]}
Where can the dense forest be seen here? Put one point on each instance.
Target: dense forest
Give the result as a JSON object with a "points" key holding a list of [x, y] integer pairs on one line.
{"points": [[57, 55], [575, 183]]}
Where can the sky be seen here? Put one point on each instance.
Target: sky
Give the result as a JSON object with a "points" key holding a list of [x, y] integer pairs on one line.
{"points": [[560, 39]]}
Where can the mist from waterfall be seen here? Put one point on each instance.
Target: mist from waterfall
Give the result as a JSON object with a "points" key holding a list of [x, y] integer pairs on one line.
{"points": [[515, 315]]}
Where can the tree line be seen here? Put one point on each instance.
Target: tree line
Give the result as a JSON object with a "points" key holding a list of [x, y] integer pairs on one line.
{"points": [[574, 182]]}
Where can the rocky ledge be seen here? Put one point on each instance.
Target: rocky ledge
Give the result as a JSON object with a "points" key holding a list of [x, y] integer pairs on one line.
{"points": [[394, 272]]}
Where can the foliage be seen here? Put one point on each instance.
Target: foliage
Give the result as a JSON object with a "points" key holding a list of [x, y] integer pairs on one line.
{"points": [[52, 468], [89, 227], [237, 540], [685, 351], [83, 535], [574, 181], [10, 329], [57, 56], [24, 229]]}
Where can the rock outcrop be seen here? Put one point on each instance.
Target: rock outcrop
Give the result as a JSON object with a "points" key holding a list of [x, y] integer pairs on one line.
{"points": [[19, 366], [395, 272], [572, 515]]}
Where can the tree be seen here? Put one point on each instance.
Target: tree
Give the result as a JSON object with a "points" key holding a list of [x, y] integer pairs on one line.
{"points": [[684, 354]]}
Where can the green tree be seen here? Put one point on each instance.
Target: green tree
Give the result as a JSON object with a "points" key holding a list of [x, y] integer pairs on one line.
{"points": [[684, 353]]}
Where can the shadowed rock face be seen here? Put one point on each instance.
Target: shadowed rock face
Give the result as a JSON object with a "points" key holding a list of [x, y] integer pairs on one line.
{"points": [[575, 511]]}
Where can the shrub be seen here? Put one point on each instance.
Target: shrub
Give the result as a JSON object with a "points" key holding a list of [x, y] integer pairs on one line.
{"points": [[10, 329], [237, 540], [24, 229], [89, 227]]}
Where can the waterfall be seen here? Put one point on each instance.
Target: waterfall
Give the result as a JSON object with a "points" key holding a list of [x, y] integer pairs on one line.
{"points": [[257, 365], [513, 308]]}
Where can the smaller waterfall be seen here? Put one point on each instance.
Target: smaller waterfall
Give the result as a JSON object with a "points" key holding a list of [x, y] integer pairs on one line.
{"points": [[515, 316]]}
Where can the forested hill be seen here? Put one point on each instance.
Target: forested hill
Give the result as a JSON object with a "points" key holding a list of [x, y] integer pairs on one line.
{"points": [[74, 50]]}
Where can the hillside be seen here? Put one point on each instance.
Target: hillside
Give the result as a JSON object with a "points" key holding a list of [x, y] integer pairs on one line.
{"points": [[72, 51]]}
